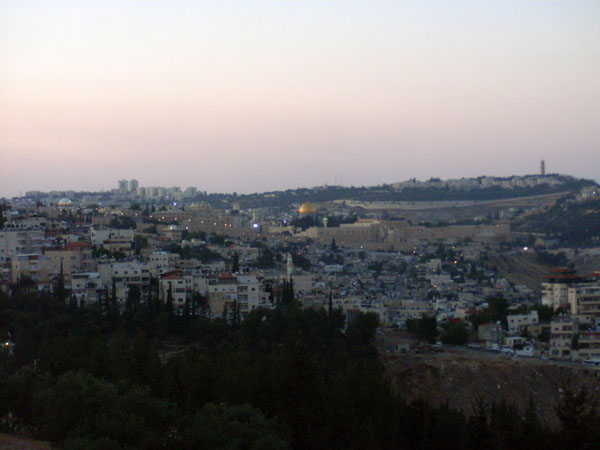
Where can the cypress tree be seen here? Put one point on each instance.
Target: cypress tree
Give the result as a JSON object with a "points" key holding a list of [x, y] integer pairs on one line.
{"points": [[235, 264], [170, 312]]}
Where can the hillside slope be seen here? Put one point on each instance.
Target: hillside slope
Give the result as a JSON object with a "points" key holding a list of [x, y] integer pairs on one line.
{"points": [[462, 377], [523, 268]]}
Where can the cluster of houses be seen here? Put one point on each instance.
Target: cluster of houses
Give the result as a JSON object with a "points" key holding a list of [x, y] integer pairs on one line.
{"points": [[158, 250]]}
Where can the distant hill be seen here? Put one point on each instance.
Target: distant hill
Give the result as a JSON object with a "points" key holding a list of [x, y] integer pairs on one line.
{"points": [[572, 223], [465, 189]]}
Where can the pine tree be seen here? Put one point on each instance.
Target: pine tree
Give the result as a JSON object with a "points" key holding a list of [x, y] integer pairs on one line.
{"points": [[171, 318], [287, 294], [333, 247], [113, 299], [60, 285]]}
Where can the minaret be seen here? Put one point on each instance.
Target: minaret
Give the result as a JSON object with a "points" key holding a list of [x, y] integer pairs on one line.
{"points": [[290, 264]]}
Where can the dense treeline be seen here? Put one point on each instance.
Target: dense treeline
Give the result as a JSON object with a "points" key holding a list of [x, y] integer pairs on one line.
{"points": [[286, 378], [572, 224]]}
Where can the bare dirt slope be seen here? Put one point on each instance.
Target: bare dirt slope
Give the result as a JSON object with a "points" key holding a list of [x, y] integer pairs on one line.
{"points": [[462, 377], [520, 269]]}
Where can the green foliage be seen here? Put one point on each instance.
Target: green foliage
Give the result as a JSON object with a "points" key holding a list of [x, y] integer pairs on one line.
{"points": [[552, 259], [579, 419], [140, 242], [545, 313], [332, 258], [220, 426], [455, 334], [574, 224], [496, 311], [201, 253], [235, 263], [266, 258], [122, 223], [80, 407], [301, 261], [423, 328], [2, 220], [281, 378], [217, 239], [333, 247]]}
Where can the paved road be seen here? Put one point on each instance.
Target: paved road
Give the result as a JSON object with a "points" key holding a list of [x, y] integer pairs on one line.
{"points": [[491, 355]]}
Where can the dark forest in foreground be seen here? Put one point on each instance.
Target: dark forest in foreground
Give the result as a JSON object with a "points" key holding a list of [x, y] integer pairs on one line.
{"points": [[282, 378]]}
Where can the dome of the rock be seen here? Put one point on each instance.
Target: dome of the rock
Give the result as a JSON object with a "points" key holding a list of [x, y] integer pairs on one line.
{"points": [[307, 208]]}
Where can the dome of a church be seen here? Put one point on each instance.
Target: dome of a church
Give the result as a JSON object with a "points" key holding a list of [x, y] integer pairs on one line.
{"points": [[307, 208]]}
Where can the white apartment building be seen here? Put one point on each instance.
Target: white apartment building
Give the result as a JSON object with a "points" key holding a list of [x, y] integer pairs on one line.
{"points": [[161, 262], [17, 241], [86, 287], [555, 287], [517, 322], [98, 237], [584, 298], [250, 294], [37, 266], [561, 338], [222, 293], [124, 275]]}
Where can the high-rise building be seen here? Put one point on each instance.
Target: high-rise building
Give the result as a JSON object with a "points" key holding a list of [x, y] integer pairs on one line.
{"points": [[122, 185], [133, 185]]}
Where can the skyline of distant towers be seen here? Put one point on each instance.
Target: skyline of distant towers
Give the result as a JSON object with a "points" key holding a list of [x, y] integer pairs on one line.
{"points": [[542, 167], [128, 185]]}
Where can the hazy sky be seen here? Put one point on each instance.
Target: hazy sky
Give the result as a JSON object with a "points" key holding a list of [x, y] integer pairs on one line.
{"points": [[260, 95]]}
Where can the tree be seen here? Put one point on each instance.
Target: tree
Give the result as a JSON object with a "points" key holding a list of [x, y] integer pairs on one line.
{"points": [[237, 427], [333, 246], [287, 293], [301, 261], [424, 328], [2, 220], [114, 306], [361, 331], [140, 242], [579, 419], [235, 263], [545, 312], [60, 284], [133, 297], [85, 412], [455, 334], [266, 258], [170, 312]]}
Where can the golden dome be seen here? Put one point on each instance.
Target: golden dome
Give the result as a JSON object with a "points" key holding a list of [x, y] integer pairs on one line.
{"points": [[307, 208]]}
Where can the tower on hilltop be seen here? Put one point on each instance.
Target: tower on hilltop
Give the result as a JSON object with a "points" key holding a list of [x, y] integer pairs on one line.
{"points": [[542, 167]]}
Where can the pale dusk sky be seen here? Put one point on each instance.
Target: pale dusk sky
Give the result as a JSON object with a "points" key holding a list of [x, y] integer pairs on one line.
{"points": [[252, 95]]}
